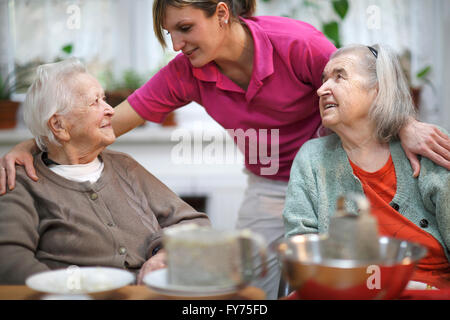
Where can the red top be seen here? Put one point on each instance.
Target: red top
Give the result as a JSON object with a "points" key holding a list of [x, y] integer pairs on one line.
{"points": [[289, 58], [380, 188]]}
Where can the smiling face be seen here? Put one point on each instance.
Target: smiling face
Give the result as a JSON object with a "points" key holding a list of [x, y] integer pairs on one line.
{"points": [[345, 100], [199, 37], [89, 123]]}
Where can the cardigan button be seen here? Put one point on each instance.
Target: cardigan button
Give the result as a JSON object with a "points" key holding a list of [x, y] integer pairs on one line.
{"points": [[94, 196], [424, 223], [395, 206], [122, 250]]}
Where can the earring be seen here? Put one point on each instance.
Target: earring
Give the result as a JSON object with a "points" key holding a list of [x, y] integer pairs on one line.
{"points": [[226, 21]]}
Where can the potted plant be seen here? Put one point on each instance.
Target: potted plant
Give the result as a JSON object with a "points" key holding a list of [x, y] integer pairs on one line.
{"points": [[422, 77], [118, 91], [8, 108], [331, 28]]}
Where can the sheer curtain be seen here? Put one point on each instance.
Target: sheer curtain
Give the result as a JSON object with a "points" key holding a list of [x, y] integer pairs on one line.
{"points": [[41, 28], [6, 51], [118, 34], [418, 25], [114, 34]]}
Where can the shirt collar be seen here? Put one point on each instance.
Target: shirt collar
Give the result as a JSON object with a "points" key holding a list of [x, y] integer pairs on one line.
{"points": [[47, 161], [262, 60]]}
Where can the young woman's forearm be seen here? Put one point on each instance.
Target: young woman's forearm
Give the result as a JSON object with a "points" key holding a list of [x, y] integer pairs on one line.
{"points": [[125, 119]]}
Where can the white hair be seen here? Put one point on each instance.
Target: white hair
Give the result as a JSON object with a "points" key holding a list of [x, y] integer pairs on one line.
{"points": [[51, 93], [393, 105]]}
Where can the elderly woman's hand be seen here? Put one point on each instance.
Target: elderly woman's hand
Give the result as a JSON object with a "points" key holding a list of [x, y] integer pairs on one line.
{"points": [[158, 261], [21, 154], [426, 140]]}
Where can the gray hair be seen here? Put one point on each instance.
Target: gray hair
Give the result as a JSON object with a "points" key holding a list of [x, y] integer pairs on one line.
{"points": [[50, 93], [393, 105]]}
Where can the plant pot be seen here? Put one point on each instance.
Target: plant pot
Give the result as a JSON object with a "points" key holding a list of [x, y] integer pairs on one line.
{"points": [[169, 120], [8, 114], [415, 95], [114, 98]]}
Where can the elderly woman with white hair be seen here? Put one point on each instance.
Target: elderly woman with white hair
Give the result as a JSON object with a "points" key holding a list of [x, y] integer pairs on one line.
{"points": [[365, 100], [91, 206]]}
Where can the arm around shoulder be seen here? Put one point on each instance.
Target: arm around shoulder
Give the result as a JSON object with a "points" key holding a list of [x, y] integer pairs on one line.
{"points": [[21, 154], [125, 118]]}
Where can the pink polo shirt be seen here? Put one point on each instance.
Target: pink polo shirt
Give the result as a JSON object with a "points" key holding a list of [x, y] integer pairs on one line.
{"points": [[278, 112]]}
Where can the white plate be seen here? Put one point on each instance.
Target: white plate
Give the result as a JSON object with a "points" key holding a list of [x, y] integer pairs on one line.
{"points": [[80, 280], [157, 281]]}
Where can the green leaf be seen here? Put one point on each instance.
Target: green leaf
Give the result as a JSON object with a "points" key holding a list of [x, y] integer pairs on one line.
{"points": [[67, 48], [132, 80], [331, 31], [308, 3], [341, 8], [3, 93], [424, 72]]}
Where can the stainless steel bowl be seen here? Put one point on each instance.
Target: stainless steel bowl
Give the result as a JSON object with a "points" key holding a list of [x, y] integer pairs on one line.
{"points": [[313, 275]]}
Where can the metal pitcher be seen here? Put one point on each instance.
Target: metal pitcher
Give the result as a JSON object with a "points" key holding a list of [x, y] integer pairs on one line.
{"points": [[203, 256], [353, 236]]}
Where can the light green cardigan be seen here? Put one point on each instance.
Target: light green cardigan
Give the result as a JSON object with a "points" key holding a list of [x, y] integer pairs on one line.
{"points": [[321, 173]]}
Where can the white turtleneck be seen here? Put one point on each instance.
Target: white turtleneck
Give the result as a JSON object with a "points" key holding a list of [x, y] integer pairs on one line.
{"points": [[80, 172]]}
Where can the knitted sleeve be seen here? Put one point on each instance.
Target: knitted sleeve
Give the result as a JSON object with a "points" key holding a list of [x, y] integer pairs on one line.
{"points": [[19, 237], [434, 185], [300, 212]]}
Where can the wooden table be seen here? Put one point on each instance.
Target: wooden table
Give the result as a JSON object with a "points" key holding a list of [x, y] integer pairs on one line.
{"points": [[132, 292]]}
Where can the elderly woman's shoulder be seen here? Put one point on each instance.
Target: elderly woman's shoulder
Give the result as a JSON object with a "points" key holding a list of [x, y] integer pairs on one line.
{"points": [[22, 179], [431, 166], [21, 174], [121, 157], [318, 149], [327, 143]]}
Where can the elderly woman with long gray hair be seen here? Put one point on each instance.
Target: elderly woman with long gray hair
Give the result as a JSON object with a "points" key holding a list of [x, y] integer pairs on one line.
{"points": [[365, 100], [91, 206]]}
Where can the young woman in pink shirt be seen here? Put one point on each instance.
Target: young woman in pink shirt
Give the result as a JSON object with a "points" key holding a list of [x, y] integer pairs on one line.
{"points": [[257, 76]]}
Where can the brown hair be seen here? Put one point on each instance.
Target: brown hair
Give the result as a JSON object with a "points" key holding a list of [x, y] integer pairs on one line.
{"points": [[244, 8]]}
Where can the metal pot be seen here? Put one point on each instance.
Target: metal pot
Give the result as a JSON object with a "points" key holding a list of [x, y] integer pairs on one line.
{"points": [[314, 275]]}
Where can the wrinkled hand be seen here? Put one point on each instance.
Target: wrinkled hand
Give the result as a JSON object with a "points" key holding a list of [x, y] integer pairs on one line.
{"points": [[158, 261], [427, 140], [21, 154]]}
